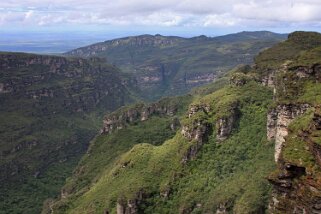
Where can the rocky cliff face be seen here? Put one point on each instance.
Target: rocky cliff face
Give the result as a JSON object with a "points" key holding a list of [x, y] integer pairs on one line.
{"points": [[40, 77], [130, 206], [199, 126], [139, 41], [225, 125], [278, 123], [297, 187], [294, 124], [140, 112]]}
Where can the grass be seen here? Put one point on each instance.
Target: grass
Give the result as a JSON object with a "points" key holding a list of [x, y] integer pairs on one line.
{"points": [[290, 49]]}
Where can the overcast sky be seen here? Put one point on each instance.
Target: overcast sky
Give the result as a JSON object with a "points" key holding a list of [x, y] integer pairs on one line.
{"points": [[168, 16]]}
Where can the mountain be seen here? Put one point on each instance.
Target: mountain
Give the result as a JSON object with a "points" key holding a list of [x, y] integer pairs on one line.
{"points": [[247, 143], [169, 65], [51, 107]]}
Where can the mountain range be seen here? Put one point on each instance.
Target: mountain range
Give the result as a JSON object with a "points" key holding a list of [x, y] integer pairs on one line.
{"points": [[172, 65]]}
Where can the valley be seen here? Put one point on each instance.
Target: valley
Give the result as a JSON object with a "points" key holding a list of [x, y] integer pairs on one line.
{"points": [[157, 124]]}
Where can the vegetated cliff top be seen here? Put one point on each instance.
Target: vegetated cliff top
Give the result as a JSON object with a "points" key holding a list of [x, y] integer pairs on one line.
{"points": [[290, 49]]}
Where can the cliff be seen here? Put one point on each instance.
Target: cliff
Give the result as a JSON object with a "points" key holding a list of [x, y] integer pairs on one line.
{"points": [[292, 122], [278, 122], [140, 112], [50, 109], [297, 182]]}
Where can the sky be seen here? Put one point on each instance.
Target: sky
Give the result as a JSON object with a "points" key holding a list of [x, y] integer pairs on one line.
{"points": [[165, 15], [30, 22]]}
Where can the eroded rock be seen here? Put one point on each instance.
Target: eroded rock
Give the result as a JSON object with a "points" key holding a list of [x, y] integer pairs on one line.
{"points": [[130, 206], [224, 127], [140, 112], [278, 120]]}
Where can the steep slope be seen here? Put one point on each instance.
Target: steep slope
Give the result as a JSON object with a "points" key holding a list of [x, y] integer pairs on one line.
{"points": [[221, 141], [259, 125], [173, 65], [50, 109], [294, 122]]}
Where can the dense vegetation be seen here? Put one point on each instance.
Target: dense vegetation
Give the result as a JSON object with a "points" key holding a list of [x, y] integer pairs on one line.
{"points": [[213, 178], [51, 107]]}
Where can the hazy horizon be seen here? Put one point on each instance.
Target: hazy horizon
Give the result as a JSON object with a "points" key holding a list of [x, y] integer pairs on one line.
{"points": [[60, 42], [60, 25]]}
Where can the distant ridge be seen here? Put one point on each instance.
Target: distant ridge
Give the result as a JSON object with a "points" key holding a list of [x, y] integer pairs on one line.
{"points": [[171, 65]]}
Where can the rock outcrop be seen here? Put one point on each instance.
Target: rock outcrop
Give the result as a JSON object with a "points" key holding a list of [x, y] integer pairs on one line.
{"points": [[297, 186], [225, 125], [278, 120], [199, 128], [221, 209], [292, 185], [130, 206], [269, 79], [196, 129], [140, 112]]}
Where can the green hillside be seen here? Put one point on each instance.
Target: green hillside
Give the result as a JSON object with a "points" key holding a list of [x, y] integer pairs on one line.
{"points": [[249, 143]]}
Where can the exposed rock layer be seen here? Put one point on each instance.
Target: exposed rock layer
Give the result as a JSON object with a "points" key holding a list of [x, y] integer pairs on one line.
{"points": [[278, 121]]}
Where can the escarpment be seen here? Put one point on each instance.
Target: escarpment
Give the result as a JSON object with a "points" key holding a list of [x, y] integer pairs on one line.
{"points": [[293, 124], [141, 112], [73, 83], [49, 105]]}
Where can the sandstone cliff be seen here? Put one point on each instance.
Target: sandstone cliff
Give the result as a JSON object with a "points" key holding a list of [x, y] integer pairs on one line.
{"points": [[293, 124]]}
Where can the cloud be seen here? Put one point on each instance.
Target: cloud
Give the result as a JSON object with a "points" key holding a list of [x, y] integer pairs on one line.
{"points": [[201, 13], [283, 11]]}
